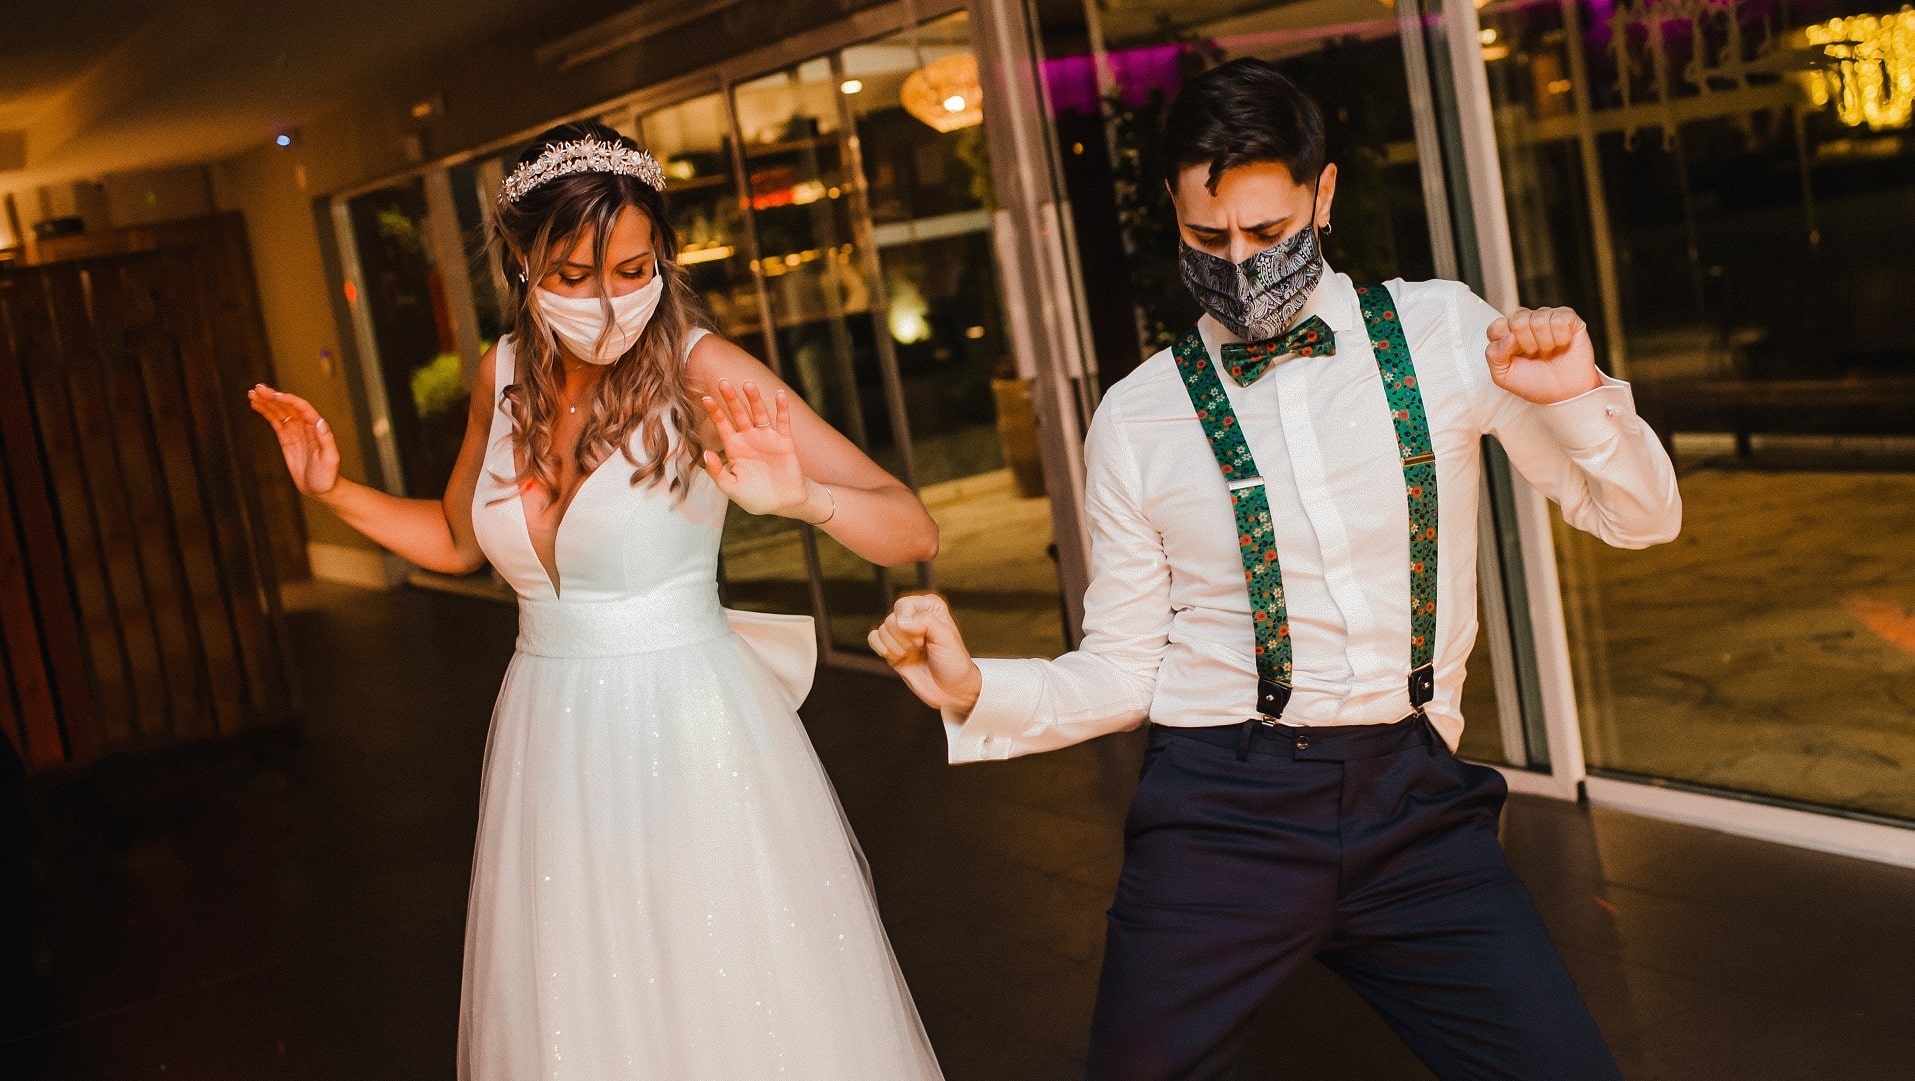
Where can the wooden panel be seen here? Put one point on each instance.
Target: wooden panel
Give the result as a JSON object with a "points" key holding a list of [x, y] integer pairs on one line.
{"points": [[120, 536], [20, 633], [223, 422], [243, 357], [145, 289], [46, 559], [150, 501], [138, 592], [30, 330], [10, 720]]}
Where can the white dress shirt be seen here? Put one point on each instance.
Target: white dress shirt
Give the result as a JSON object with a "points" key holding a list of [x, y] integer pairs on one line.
{"points": [[1167, 627]]}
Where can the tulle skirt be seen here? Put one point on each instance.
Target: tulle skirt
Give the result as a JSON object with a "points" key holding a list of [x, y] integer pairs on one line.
{"points": [[664, 886]]}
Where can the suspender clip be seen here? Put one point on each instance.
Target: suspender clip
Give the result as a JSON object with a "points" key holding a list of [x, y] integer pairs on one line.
{"points": [[1422, 686], [1272, 696]]}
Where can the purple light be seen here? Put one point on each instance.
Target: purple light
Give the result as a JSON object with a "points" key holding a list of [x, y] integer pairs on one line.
{"points": [[1071, 81]]}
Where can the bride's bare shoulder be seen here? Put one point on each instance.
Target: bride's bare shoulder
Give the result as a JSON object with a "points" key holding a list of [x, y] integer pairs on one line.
{"points": [[714, 357]]}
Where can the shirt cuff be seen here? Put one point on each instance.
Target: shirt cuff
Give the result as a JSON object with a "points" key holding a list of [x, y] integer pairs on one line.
{"points": [[1005, 705], [1593, 417]]}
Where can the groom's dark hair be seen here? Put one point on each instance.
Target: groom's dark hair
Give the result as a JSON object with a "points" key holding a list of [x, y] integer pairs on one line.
{"points": [[1241, 112]]}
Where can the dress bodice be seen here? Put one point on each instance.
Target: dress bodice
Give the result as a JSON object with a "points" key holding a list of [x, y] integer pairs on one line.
{"points": [[615, 541]]}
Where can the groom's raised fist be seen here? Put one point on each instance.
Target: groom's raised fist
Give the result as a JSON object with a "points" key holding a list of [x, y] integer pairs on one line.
{"points": [[1542, 355], [921, 641]]}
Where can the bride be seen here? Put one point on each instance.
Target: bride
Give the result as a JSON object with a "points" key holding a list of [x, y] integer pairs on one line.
{"points": [[663, 886]]}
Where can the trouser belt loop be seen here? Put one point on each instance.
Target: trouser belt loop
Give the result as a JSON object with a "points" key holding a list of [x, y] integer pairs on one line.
{"points": [[1244, 731]]}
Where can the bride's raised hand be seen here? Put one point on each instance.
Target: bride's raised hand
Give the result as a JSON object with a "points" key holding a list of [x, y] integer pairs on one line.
{"points": [[759, 468], [312, 455]]}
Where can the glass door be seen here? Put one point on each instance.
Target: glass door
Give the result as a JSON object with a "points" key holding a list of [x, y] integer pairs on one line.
{"points": [[409, 331], [914, 100], [765, 560], [867, 196], [805, 207]]}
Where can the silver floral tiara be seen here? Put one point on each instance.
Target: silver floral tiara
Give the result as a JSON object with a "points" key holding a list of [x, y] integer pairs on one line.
{"points": [[581, 156]]}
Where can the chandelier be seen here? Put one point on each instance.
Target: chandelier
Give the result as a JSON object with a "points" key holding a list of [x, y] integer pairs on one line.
{"points": [[945, 93], [1869, 75]]}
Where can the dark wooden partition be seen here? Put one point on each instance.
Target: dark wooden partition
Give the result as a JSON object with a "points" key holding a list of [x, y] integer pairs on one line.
{"points": [[146, 521]]}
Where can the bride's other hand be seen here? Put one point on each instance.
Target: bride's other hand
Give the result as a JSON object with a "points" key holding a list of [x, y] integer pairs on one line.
{"points": [[759, 469], [306, 440], [920, 640]]}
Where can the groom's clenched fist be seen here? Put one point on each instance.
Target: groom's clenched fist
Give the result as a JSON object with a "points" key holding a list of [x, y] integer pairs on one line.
{"points": [[1542, 355], [921, 640]]}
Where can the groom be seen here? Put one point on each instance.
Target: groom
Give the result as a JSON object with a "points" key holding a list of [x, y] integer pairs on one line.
{"points": [[1283, 523]]}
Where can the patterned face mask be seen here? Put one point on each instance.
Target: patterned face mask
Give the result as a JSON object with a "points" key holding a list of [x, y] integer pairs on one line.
{"points": [[1260, 297]]}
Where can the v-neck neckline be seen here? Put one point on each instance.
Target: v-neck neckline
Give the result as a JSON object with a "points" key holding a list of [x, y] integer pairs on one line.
{"points": [[554, 574]]}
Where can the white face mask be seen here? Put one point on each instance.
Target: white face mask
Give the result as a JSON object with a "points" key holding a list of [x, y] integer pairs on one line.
{"points": [[579, 322]]}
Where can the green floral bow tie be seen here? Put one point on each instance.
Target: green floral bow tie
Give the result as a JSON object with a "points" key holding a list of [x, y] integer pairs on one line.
{"points": [[1246, 361]]}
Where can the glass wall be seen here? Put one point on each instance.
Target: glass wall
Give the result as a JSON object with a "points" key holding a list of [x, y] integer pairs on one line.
{"points": [[1728, 193], [763, 559], [916, 105], [803, 196], [409, 315], [869, 197]]}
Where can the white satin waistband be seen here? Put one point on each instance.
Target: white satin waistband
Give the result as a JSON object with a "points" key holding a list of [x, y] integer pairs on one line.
{"points": [[664, 619]]}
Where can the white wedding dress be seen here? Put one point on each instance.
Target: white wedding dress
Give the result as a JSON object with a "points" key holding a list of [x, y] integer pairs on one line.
{"points": [[663, 886]]}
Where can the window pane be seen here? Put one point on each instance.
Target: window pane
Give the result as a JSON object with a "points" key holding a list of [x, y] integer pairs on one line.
{"points": [[799, 190], [412, 325], [1737, 235], [921, 136]]}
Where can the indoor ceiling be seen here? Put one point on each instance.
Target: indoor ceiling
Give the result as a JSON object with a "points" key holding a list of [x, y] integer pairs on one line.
{"points": [[105, 85]]}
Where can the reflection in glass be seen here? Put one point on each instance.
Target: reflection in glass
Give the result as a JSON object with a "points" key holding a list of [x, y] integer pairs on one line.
{"points": [[763, 557], [804, 206], [413, 328], [927, 175], [472, 194], [1738, 237]]}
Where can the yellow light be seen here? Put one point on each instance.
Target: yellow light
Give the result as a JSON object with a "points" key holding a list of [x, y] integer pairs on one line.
{"points": [[704, 255], [974, 333], [851, 86], [1559, 86], [1495, 52], [907, 316], [945, 93], [1488, 35], [1871, 80]]}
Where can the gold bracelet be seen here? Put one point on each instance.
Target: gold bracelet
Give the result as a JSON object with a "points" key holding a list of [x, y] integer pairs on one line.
{"points": [[834, 505]]}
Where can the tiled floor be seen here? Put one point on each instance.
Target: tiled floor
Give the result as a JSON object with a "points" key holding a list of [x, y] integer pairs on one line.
{"points": [[293, 910]]}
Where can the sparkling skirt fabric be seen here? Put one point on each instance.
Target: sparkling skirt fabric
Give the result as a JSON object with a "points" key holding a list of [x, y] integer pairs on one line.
{"points": [[664, 885]]}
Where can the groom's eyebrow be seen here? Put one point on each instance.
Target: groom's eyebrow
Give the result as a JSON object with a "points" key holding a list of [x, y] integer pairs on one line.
{"points": [[1260, 227]]}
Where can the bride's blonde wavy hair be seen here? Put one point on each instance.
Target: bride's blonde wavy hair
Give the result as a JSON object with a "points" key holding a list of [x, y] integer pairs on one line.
{"points": [[645, 390]]}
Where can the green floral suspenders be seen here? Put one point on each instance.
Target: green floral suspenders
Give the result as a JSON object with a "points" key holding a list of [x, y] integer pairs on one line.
{"points": [[1261, 570]]}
